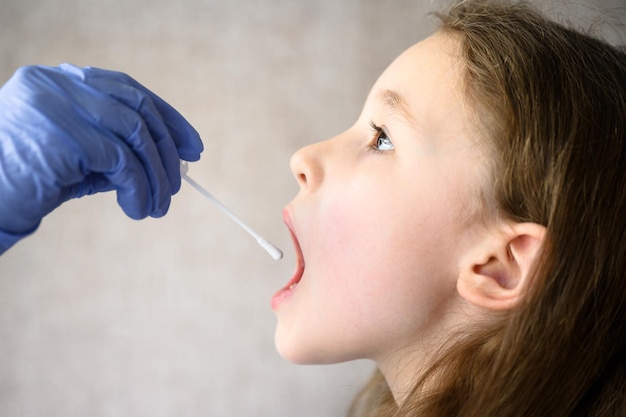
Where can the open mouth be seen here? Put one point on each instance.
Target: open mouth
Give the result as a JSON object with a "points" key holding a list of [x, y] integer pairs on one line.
{"points": [[299, 271]]}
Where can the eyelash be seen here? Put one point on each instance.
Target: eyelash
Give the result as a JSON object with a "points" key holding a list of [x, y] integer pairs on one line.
{"points": [[379, 133]]}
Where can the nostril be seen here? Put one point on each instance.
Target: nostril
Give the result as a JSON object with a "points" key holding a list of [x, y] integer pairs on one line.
{"points": [[301, 178]]}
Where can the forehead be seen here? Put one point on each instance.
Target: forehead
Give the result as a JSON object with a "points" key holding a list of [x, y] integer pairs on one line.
{"points": [[435, 59]]}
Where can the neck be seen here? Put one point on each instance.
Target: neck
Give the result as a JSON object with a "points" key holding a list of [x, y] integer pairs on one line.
{"points": [[405, 367]]}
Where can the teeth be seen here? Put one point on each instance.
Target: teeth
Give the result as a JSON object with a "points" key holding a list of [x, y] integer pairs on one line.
{"points": [[292, 286]]}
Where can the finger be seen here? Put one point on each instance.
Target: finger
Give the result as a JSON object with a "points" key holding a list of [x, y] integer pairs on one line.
{"points": [[159, 133], [185, 137], [135, 137], [120, 137], [107, 162]]}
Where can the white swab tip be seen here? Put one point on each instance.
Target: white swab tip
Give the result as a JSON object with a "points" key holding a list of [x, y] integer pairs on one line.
{"points": [[274, 252]]}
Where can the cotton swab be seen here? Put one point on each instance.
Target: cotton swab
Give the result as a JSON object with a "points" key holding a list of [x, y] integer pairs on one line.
{"points": [[274, 252]]}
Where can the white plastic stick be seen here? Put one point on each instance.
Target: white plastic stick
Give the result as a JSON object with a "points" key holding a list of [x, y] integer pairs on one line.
{"points": [[274, 252]]}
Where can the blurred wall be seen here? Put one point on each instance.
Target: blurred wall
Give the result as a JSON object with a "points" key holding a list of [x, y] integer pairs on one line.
{"points": [[101, 315]]}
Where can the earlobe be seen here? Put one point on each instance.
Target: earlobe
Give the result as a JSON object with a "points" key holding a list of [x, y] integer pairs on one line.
{"points": [[496, 273]]}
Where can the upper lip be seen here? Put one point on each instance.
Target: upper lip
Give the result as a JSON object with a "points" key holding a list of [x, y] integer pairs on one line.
{"points": [[287, 218]]}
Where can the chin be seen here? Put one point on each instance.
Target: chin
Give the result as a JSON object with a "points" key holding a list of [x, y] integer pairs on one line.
{"points": [[299, 353], [290, 351], [307, 353]]}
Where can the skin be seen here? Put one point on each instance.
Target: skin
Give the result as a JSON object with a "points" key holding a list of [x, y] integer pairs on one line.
{"points": [[382, 221]]}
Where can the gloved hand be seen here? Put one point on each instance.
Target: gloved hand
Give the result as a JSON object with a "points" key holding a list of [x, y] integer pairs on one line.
{"points": [[66, 132]]}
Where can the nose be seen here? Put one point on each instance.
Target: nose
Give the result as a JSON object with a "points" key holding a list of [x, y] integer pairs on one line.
{"points": [[306, 165]]}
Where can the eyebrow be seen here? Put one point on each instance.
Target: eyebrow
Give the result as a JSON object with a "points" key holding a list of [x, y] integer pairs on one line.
{"points": [[396, 103]]}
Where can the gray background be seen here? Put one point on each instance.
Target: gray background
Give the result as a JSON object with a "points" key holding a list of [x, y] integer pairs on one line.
{"points": [[101, 315]]}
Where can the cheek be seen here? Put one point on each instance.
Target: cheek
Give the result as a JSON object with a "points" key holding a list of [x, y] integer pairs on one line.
{"points": [[378, 234], [354, 228], [364, 247]]}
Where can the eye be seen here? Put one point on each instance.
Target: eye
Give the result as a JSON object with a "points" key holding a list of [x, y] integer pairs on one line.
{"points": [[381, 141]]}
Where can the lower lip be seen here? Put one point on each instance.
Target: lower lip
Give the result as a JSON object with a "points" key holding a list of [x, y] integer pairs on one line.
{"points": [[281, 296]]}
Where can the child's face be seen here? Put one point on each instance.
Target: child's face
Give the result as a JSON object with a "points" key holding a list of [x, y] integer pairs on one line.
{"points": [[381, 224]]}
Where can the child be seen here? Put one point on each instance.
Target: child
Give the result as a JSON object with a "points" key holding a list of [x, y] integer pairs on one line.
{"points": [[468, 233]]}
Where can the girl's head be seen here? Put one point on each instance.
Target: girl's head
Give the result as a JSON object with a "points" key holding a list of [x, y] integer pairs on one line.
{"points": [[467, 233], [385, 214]]}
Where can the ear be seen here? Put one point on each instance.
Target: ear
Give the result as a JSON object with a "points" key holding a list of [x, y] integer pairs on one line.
{"points": [[496, 272]]}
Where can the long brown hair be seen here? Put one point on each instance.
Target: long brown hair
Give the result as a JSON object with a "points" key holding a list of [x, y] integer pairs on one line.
{"points": [[551, 102]]}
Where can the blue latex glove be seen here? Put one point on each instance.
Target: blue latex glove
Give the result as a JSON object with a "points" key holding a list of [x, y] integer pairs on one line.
{"points": [[66, 132]]}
